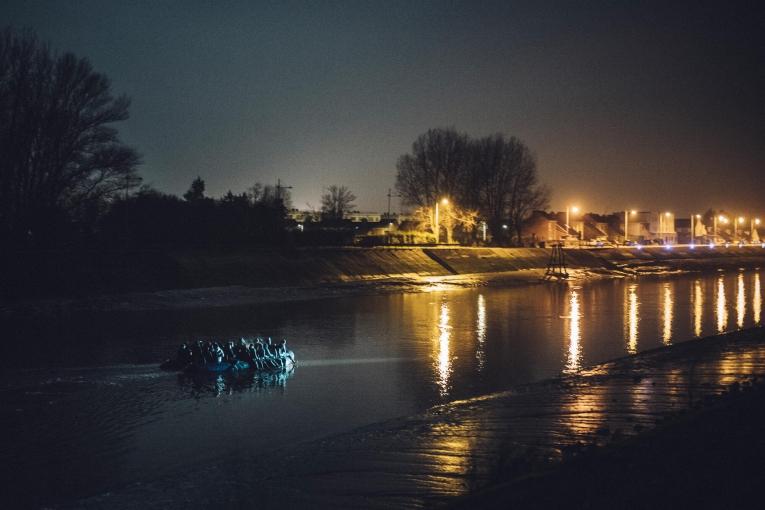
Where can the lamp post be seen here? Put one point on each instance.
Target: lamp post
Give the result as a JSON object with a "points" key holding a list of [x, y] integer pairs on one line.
{"points": [[754, 224], [569, 210], [444, 201], [740, 219], [694, 217], [627, 224], [722, 219]]}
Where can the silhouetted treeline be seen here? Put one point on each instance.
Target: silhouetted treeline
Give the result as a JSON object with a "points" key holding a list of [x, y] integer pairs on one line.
{"points": [[151, 219], [61, 160]]}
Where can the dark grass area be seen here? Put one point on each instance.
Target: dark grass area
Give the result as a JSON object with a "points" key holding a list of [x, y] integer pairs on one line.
{"points": [[712, 456]]}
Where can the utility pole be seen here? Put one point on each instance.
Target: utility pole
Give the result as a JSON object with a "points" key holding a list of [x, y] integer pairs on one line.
{"points": [[279, 189], [397, 195]]}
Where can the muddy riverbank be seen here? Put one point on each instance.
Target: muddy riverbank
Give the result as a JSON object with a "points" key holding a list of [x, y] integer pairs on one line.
{"points": [[204, 281], [67, 275], [617, 421]]}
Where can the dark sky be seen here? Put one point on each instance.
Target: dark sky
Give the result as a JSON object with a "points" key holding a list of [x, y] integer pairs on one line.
{"points": [[650, 105]]}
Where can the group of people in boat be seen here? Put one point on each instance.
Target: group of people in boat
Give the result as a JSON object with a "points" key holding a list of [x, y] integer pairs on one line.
{"points": [[257, 354]]}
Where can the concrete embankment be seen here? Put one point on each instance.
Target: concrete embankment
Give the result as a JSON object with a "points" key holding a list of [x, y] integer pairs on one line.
{"points": [[316, 266], [83, 274]]}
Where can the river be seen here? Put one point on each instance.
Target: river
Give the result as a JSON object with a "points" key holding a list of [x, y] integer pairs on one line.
{"points": [[85, 409]]}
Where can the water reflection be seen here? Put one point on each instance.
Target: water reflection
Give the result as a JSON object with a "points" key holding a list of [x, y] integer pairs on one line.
{"points": [[480, 330], [444, 358], [757, 299], [667, 313], [698, 307], [721, 310], [631, 306], [229, 383], [740, 301], [574, 358]]}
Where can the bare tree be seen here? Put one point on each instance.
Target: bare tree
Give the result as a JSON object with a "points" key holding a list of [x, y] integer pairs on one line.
{"points": [[435, 168], [495, 175], [58, 150], [269, 195], [337, 201]]}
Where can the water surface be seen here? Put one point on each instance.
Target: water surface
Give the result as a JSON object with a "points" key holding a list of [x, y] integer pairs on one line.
{"points": [[85, 409]]}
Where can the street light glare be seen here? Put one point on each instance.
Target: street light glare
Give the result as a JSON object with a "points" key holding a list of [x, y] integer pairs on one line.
{"points": [[445, 201], [633, 212], [741, 219], [575, 209], [667, 214]]}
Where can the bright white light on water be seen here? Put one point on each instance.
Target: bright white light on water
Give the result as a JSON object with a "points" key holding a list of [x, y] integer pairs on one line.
{"points": [[668, 306], [740, 301], [757, 299], [444, 359], [632, 319], [698, 307], [722, 312], [480, 329], [574, 361]]}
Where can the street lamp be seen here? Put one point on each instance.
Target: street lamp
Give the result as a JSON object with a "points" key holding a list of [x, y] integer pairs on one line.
{"points": [[694, 218], [569, 210], [740, 219], [722, 219], [754, 224], [444, 201], [627, 224], [662, 226]]}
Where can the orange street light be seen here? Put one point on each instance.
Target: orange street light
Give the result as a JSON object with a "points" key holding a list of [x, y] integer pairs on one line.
{"points": [[444, 201]]}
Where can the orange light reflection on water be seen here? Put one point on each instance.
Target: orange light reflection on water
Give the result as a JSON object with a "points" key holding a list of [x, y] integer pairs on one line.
{"points": [[574, 357], [632, 305], [444, 357], [698, 307], [722, 312], [740, 301], [667, 311], [480, 329], [757, 299]]}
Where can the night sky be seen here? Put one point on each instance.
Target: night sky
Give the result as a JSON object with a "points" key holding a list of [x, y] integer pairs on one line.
{"points": [[626, 104]]}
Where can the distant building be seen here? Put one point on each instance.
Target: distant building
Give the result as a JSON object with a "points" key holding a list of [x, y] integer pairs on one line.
{"points": [[543, 228], [303, 216], [662, 227], [361, 217]]}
